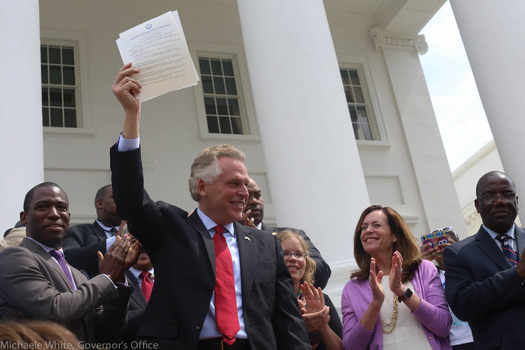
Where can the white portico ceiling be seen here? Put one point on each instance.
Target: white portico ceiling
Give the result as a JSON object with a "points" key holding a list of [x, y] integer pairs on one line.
{"points": [[393, 16]]}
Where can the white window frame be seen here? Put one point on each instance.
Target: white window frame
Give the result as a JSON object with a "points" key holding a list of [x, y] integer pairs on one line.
{"points": [[247, 109], [375, 114], [76, 40]]}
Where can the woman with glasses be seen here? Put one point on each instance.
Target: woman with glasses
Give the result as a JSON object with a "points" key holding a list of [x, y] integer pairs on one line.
{"points": [[319, 314], [395, 299]]}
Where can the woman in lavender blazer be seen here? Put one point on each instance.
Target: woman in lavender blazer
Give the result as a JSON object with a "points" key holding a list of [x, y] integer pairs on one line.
{"points": [[395, 300]]}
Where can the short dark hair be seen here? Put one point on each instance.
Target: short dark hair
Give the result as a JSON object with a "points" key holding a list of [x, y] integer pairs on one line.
{"points": [[100, 193], [29, 195], [482, 180]]}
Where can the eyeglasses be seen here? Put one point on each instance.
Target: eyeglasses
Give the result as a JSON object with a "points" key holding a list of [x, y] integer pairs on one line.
{"points": [[490, 198], [297, 255]]}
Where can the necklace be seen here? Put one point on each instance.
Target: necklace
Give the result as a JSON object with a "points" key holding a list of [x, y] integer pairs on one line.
{"points": [[390, 326]]}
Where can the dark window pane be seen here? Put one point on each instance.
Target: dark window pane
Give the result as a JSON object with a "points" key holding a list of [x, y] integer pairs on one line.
{"points": [[43, 54], [56, 117], [70, 117], [216, 67], [45, 97], [222, 109], [69, 75], [69, 98], [209, 103], [45, 116], [354, 77], [43, 70], [213, 124], [218, 82], [344, 76], [225, 125], [359, 95], [228, 68], [67, 56], [55, 75], [55, 97], [204, 65], [356, 131], [237, 126], [54, 54], [362, 116], [231, 88], [353, 114], [207, 85], [349, 94], [233, 105]]}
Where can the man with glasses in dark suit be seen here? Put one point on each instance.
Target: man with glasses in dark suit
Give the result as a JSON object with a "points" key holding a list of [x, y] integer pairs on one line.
{"points": [[485, 273]]}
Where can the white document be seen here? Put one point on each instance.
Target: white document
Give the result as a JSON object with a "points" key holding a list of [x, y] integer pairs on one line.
{"points": [[159, 50]]}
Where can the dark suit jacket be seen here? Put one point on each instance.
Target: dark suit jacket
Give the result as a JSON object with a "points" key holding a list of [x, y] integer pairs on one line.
{"points": [[322, 269], [484, 289], [182, 252], [81, 245], [34, 286], [136, 309]]}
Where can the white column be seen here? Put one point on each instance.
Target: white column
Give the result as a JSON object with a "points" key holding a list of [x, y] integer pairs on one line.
{"points": [[21, 145], [492, 33], [427, 152], [314, 170]]}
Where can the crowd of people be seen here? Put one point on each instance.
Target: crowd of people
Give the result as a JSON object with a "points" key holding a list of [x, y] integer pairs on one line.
{"points": [[151, 275]]}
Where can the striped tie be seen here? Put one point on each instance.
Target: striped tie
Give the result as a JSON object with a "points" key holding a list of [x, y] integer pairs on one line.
{"points": [[507, 249]]}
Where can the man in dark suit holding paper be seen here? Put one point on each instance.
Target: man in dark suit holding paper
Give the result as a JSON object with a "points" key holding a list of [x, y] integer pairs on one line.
{"points": [[190, 299]]}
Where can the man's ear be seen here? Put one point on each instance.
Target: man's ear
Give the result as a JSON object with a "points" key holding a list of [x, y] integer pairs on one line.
{"points": [[202, 188], [98, 203], [23, 217], [476, 204]]}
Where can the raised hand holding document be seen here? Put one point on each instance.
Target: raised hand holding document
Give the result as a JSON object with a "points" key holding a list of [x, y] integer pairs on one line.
{"points": [[159, 50]]}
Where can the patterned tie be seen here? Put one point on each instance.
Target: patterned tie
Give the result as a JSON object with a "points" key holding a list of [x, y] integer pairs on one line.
{"points": [[147, 284], [225, 302], [59, 256], [507, 249], [113, 231]]}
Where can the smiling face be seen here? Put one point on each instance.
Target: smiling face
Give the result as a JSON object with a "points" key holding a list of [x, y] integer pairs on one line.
{"points": [[47, 217], [376, 236], [255, 203], [223, 200], [294, 265], [498, 214]]}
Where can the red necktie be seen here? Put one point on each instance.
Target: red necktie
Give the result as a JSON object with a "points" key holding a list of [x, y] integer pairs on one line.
{"points": [[225, 302], [147, 284]]}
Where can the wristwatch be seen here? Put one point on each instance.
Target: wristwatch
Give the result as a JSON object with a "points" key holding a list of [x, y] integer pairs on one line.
{"points": [[406, 295]]}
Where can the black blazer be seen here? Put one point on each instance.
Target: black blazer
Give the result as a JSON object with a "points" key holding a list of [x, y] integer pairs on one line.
{"points": [[182, 251], [81, 245], [322, 269], [136, 309], [484, 289]]}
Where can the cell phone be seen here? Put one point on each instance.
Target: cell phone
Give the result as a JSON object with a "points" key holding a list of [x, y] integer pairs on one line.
{"points": [[435, 238]]}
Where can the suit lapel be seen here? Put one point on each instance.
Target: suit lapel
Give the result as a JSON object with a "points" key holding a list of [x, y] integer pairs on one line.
{"points": [[137, 295], [196, 222], [99, 231], [247, 256], [491, 249], [51, 263], [519, 233]]}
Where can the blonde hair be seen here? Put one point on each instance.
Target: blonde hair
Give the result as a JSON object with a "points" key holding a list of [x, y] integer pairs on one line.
{"points": [[206, 165], [309, 270]]}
